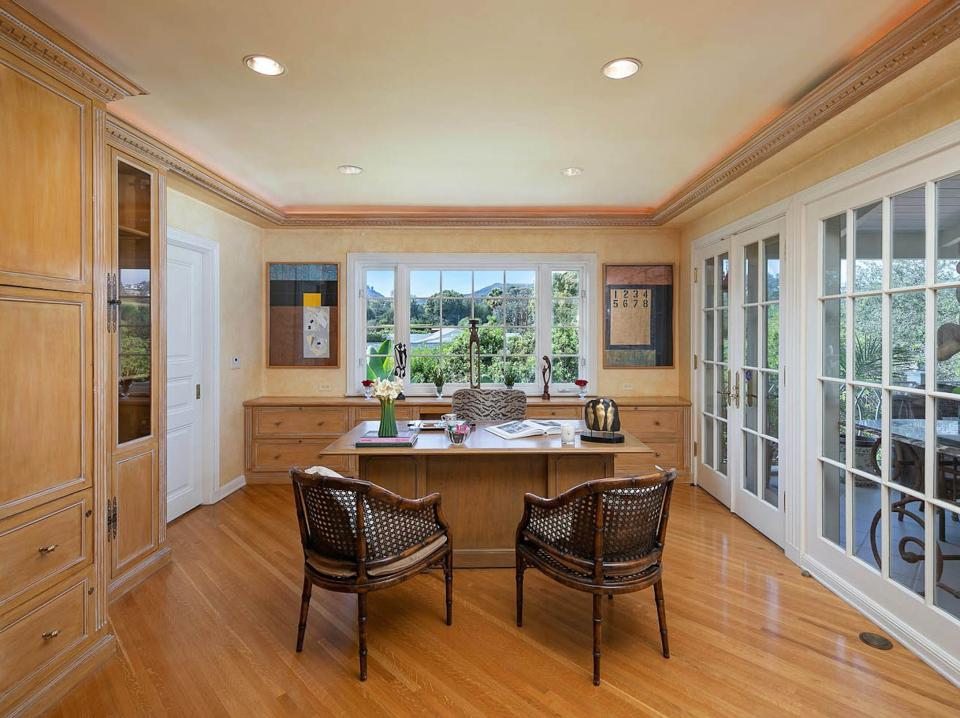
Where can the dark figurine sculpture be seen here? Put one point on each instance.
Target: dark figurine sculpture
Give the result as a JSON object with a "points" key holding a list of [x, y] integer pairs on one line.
{"points": [[602, 420], [547, 372], [400, 361], [473, 351]]}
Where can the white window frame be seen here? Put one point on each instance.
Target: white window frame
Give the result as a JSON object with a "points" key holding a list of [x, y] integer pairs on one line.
{"points": [[402, 263]]}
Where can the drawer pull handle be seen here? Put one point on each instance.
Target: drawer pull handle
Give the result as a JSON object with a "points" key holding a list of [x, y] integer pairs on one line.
{"points": [[48, 549], [276, 456], [50, 634], [656, 422], [657, 454], [277, 423]]}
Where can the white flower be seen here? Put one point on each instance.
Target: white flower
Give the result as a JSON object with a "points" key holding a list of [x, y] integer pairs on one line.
{"points": [[387, 388]]}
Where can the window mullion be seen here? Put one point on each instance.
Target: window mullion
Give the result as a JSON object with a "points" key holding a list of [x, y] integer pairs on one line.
{"points": [[544, 320]]}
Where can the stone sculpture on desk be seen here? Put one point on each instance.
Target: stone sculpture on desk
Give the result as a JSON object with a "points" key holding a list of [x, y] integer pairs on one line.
{"points": [[602, 419], [547, 372]]}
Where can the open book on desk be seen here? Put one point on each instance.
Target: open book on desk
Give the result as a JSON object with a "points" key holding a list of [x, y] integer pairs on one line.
{"points": [[525, 428]]}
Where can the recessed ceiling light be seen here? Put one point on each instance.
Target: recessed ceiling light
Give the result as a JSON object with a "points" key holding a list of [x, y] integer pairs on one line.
{"points": [[264, 65], [571, 171], [349, 169], [622, 68]]}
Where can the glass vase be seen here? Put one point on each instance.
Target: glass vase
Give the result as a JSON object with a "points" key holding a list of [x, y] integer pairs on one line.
{"points": [[388, 419]]}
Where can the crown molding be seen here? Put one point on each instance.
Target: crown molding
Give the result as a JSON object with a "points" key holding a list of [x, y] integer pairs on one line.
{"points": [[27, 36], [931, 28]]}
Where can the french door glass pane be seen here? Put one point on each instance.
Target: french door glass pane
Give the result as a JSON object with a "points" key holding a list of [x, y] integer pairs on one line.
{"points": [[907, 338], [751, 273], [907, 439], [948, 339], [708, 388], [947, 487], [723, 267], [948, 229], [834, 421], [771, 258], [771, 472], [723, 388], [833, 515], [905, 527], [868, 414], [722, 447], [750, 338], [709, 282], [908, 225], [751, 405], [771, 396], [947, 593], [708, 441], [834, 255], [866, 511], [868, 339], [868, 265], [750, 462], [834, 337], [772, 343], [709, 337], [724, 336]]}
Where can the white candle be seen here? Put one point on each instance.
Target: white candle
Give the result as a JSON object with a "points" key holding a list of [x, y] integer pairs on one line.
{"points": [[567, 434]]}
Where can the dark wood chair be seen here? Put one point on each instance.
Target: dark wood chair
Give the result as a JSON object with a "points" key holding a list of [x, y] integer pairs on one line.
{"points": [[359, 537], [603, 537]]}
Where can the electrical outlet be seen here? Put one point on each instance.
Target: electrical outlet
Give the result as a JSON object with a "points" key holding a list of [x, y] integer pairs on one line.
{"points": [[324, 387], [235, 362], [627, 387]]}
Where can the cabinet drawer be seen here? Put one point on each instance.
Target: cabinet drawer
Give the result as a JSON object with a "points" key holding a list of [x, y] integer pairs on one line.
{"points": [[300, 421], [372, 413], [282, 455], [37, 546], [641, 421], [37, 633], [668, 454], [554, 412]]}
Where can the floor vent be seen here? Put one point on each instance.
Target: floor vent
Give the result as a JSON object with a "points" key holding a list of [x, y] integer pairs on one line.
{"points": [[875, 640]]}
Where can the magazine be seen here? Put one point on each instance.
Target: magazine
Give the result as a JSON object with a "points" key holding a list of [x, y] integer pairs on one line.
{"points": [[404, 438], [525, 428]]}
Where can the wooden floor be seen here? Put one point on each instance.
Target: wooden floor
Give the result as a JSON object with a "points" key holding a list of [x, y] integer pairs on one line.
{"points": [[213, 634]]}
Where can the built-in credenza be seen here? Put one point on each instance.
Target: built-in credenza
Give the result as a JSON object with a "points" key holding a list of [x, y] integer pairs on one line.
{"points": [[281, 432]]}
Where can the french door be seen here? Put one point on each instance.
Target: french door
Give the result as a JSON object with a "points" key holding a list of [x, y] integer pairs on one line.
{"points": [[738, 375]]}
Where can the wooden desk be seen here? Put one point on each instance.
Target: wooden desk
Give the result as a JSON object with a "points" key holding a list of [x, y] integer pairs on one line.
{"points": [[483, 482]]}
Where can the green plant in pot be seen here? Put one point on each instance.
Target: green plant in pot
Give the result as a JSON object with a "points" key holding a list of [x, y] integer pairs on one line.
{"points": [[438, 378], [509, 377]]}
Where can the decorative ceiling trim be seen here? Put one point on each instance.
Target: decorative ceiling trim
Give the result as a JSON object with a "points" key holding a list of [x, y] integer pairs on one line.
{"points": [[130, 138], [931, 28], [25, 34]]}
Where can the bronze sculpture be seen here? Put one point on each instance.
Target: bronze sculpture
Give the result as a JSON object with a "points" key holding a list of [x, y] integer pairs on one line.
{"points": [[547, 373]]}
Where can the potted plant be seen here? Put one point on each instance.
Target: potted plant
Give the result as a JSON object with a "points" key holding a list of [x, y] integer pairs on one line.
{"points": [[509, 377], [439, 379], [367, 388], [581, 388]]}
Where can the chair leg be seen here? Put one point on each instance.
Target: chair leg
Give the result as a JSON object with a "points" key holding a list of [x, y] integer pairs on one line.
{"points": [[662, 617], [448, 580], [304, 607], [362, 626], [597, 619], [521, 567]]}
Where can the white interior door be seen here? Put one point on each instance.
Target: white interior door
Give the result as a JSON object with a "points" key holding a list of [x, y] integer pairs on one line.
{"points": [[738, 375], [184, 371]]}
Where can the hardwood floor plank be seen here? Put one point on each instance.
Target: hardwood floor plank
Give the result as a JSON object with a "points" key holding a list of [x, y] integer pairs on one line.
{"points": [[214, 632]]}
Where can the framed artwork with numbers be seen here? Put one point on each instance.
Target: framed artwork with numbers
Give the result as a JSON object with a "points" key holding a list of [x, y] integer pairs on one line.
{"points": [[638, 316]]}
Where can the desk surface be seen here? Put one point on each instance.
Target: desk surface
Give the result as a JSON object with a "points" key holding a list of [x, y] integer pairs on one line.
{"points": [[483, 442]]}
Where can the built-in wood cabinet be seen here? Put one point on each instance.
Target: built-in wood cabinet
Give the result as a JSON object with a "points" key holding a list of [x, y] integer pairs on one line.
{"points": [[281, 432], [136, 511]]}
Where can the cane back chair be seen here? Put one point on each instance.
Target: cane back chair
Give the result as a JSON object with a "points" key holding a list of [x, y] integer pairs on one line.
{"points": [[359, 537], [603, 537], [489, 404]]}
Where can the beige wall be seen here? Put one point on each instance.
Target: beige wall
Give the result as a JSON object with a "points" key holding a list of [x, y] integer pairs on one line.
{"points": [[925, 114], [610, 246], [240, 314]]}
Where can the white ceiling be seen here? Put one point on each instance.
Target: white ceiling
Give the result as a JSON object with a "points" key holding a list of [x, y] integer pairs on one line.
{"points": [[465, 103]]}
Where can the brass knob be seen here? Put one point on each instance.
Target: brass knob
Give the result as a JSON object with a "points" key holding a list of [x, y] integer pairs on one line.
{"points": [[50, 634], [277, 423], [656, 422], [48, 549], [276, 456], [657, 454]]}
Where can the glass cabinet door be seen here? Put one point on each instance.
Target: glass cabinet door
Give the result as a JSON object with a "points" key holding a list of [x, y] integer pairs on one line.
{"points": [[132, 297]]}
